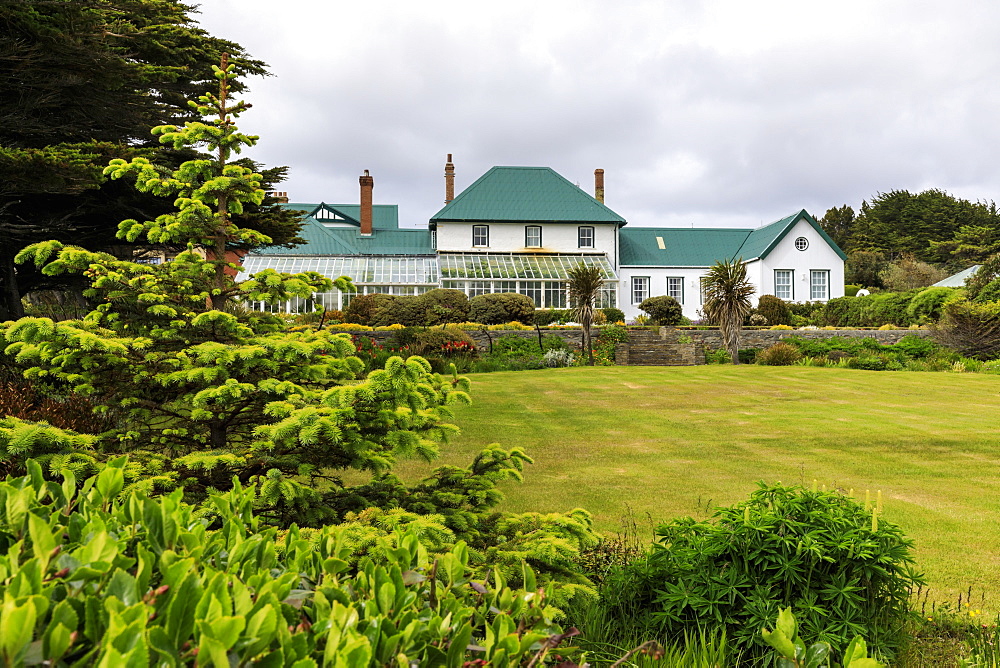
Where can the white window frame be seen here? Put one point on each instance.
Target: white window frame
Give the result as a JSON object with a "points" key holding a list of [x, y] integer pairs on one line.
{"points": [[675, 288], [790, 285], [529, 241], [825, 284], [582, 240], [640, 286], [482, 234]]}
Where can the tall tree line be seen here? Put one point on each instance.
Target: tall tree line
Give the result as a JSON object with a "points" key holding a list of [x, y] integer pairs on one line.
{"points": [[931, 226], [82, 82]]}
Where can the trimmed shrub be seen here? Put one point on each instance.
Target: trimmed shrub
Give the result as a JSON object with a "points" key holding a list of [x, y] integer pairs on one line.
{"points": [[775, 310], [663, 310], [843, 568], [364, 308], [500, 307], [926, 304], [443, 305], [870, 311], [780, 354], [406, 310], [614, 315]]}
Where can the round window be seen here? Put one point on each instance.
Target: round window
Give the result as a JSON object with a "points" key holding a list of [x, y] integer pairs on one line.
{"points": [[801, 243]]}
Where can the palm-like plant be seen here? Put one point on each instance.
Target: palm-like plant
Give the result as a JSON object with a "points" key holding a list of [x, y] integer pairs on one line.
{"points": [[727, 301], [585, 283]]}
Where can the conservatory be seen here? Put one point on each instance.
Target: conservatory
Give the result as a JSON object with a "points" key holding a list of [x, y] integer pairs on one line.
{"points": [[371, 274], [542, 277]]}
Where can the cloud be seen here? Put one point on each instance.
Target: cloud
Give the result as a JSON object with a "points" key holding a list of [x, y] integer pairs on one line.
{"points": [[698, 111]]}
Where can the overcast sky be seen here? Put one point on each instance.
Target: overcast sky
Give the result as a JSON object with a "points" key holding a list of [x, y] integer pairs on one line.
{"points": [[732, 113]]}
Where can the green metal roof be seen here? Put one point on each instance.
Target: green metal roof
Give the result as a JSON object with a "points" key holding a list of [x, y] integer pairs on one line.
{"points": [[322, 240], [683, 247], [384, 216], [763, 239], [525, 194]]}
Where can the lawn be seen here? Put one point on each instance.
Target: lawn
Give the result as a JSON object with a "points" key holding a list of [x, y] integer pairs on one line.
{"points": [[662, 442]]}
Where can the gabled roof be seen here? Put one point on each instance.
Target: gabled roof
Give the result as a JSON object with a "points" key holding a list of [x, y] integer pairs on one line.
{"points": [[525, 194], [762, 240], [384, 216], [683, 247], [957, 280], [321, 240]]}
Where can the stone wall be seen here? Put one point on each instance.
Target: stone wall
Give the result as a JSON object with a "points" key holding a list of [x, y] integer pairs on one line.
{"points": [[764, 338], [708, 338]]}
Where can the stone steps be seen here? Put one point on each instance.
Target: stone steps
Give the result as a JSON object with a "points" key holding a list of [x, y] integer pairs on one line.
{"points": [[646, 348]]}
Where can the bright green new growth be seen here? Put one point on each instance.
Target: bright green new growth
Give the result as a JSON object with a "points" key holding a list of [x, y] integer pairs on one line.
{"points": [[95, 577]]}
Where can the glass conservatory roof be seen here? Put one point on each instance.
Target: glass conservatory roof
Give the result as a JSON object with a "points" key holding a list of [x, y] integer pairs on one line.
{"points": [[514, 265], [360, 269]]}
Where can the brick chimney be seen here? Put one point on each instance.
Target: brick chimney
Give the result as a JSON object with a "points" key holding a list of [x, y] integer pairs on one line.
{"points": [[280, 197], [449, 180], [367, 183], [599, 185]]}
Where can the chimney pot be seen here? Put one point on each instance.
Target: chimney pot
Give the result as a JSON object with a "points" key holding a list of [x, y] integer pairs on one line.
{"points": [[599, 185], [367, 184], [449, 180]]}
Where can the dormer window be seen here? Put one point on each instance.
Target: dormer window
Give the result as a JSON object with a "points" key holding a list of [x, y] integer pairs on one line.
{"points": [[323, 214], [533, 236]]}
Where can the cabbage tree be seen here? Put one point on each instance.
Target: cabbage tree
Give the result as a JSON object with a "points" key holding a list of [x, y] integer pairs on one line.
{"points": [[727, 301]]}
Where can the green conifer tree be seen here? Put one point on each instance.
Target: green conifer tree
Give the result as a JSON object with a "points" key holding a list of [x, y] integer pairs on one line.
{"points": [[206, 389]]}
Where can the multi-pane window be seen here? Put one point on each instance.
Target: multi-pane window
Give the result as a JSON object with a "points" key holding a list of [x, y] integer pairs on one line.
{"points": [[477, 288], [585, 236], [819, 284], [675, 288], [481, 235], [532, 289], [533, 236], [555, 295], [783, 284], [640, 289]]}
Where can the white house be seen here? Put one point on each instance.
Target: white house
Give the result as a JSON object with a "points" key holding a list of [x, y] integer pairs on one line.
{"points": [[792, 258], [520, 229]]}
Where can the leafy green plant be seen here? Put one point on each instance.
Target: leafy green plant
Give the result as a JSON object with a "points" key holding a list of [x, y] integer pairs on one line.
{"points": [[95, 576], [717, 356], [792, 652], [843, 569]]}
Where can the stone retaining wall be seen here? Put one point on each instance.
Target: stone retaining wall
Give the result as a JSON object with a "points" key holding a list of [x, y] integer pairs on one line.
{"points": [[708, 338]]}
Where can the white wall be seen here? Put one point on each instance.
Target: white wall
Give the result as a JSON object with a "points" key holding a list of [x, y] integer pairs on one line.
{"points": [[509, 238], [819, 255], [658, 286]]}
